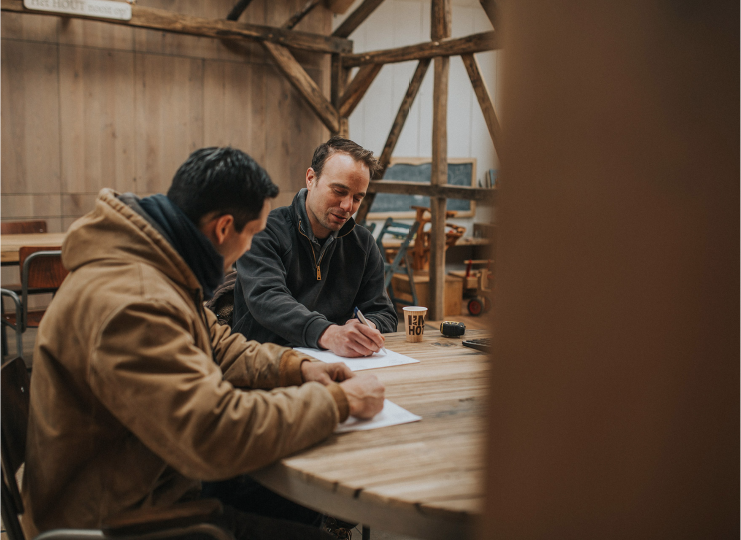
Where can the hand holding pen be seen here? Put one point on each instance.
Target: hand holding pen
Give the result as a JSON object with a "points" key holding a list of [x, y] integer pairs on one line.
{"points": [[363, 320], [352, 339]]}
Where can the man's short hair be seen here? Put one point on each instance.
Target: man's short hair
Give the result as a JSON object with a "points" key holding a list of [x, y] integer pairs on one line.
{"points": [[346, 146], [221, 180]]}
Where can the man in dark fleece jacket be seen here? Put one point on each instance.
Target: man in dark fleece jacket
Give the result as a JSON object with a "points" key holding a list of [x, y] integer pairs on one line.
{"points": [[312, 265]]}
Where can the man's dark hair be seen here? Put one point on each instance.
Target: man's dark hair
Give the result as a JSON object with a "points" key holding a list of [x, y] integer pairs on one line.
{"points": [[346, 146], [221, 180]]}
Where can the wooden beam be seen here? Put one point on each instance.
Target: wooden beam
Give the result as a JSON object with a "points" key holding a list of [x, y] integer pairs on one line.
{"points": [[440, 26], [168, 21], [401, 116], [357, 88], [441, 21], [469, 193], [338, 6], [356, 18], [298, 16], [237, 10], [485, 41], [492, 11], [482, 94], [338, 80], [403, 112], [305, 85]]}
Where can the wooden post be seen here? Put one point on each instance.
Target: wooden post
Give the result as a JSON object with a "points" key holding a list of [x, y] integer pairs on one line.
{"points": [[613, 408], [441, 28], [339, 76]]}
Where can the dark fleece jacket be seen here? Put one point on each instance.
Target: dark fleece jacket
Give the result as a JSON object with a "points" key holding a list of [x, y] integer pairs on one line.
{"points": [[291, 288]]}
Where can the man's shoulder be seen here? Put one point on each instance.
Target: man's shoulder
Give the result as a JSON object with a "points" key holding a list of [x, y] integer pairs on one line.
{"points": [[360, 237], [128, 282], [277, 231], [280, 219]]}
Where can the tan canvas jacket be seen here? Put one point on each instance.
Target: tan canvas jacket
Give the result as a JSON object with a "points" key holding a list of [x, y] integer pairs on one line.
{"points": [[133, 390]]}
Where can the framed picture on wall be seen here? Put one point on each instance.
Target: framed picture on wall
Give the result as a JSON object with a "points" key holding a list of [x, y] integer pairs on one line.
{"points": [[461, 172]]}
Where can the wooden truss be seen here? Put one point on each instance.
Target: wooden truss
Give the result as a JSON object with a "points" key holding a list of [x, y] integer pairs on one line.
{"points": [[346, 94]]}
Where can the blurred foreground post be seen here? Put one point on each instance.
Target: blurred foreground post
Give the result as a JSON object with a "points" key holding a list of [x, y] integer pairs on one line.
{"points": [[614, 407]]}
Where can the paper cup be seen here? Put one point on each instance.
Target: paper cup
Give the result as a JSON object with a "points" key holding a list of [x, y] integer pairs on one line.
{"points": [[414, 321]]}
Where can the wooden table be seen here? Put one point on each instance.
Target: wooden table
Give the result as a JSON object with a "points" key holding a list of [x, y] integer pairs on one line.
{"points": [[11, 243], [423, 479]]}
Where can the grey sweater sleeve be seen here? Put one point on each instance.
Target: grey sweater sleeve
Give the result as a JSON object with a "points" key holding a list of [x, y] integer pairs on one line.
{"points": [[262, 276]]}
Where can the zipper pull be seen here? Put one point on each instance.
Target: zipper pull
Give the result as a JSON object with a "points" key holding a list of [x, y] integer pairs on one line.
{"points": [[318, 273]]}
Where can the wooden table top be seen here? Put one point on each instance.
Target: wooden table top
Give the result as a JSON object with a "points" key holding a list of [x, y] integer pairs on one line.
{"points": [[11, 243], [424, 479]]}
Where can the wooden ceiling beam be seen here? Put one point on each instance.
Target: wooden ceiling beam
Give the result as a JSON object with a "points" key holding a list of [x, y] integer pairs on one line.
{"points": [[304, 84], [299, 15], [401, 117], [484, 98], [237, 10], [168, 21], [357, 88], [485, 41], [443, 190], [356, 18]]}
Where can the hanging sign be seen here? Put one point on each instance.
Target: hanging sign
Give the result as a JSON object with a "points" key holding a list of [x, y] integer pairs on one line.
{"points": [[104, 9]]}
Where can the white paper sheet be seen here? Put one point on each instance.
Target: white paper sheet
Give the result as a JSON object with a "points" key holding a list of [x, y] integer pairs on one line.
{"points": [[377, 360], [391, 415]]}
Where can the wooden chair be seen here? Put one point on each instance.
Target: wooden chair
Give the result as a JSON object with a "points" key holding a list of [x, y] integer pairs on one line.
{"points": [[41, 272], [393, 265], [17, 227], [421, 248], [179, 521], [23, 227]]}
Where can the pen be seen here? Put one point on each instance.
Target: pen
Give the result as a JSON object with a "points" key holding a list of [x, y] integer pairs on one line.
{"points": [[363, 320]]}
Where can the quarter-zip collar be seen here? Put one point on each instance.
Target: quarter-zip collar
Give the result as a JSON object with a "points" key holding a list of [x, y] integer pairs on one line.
{"points": [[304, 228]]}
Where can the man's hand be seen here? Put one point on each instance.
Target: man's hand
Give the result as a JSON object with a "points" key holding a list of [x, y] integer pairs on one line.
{"points": [[351, 340], [325, 373], [365, 395]]}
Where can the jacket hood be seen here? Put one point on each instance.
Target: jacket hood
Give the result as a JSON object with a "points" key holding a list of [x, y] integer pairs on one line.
{"points": [[114, 231]]}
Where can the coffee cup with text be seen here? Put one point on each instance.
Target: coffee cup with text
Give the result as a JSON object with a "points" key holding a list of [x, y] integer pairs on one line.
{"points": [[414, 322]]}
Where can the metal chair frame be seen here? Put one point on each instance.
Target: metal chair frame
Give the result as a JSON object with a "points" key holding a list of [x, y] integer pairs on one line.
{"points": [[406, 233], [21, 313]]}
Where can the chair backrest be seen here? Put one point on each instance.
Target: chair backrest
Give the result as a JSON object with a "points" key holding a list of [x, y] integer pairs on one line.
{"points": [[42, 267], [14, 400], [23, 227], [398, 230]]}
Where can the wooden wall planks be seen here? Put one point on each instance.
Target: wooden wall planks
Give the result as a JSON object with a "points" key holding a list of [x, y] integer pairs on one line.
{"points": [[87, 105], [96, 90]]}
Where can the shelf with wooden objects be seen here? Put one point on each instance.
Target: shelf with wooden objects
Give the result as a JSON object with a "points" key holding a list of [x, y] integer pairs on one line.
{"points": [[346, 92]]}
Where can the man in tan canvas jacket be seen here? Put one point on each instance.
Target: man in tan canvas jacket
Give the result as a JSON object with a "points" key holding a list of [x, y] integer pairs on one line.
{"points": [[137, 393]]}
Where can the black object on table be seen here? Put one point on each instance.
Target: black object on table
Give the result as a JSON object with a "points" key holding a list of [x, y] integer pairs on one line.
{"points": [[480, 344]]}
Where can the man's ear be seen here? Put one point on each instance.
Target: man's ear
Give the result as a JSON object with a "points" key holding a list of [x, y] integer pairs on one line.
{"points": [[310, 177], [217, 229]]}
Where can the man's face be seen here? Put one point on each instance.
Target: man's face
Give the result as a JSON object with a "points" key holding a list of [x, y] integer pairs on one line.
{"points": [[236, 243], [336, 196]]}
